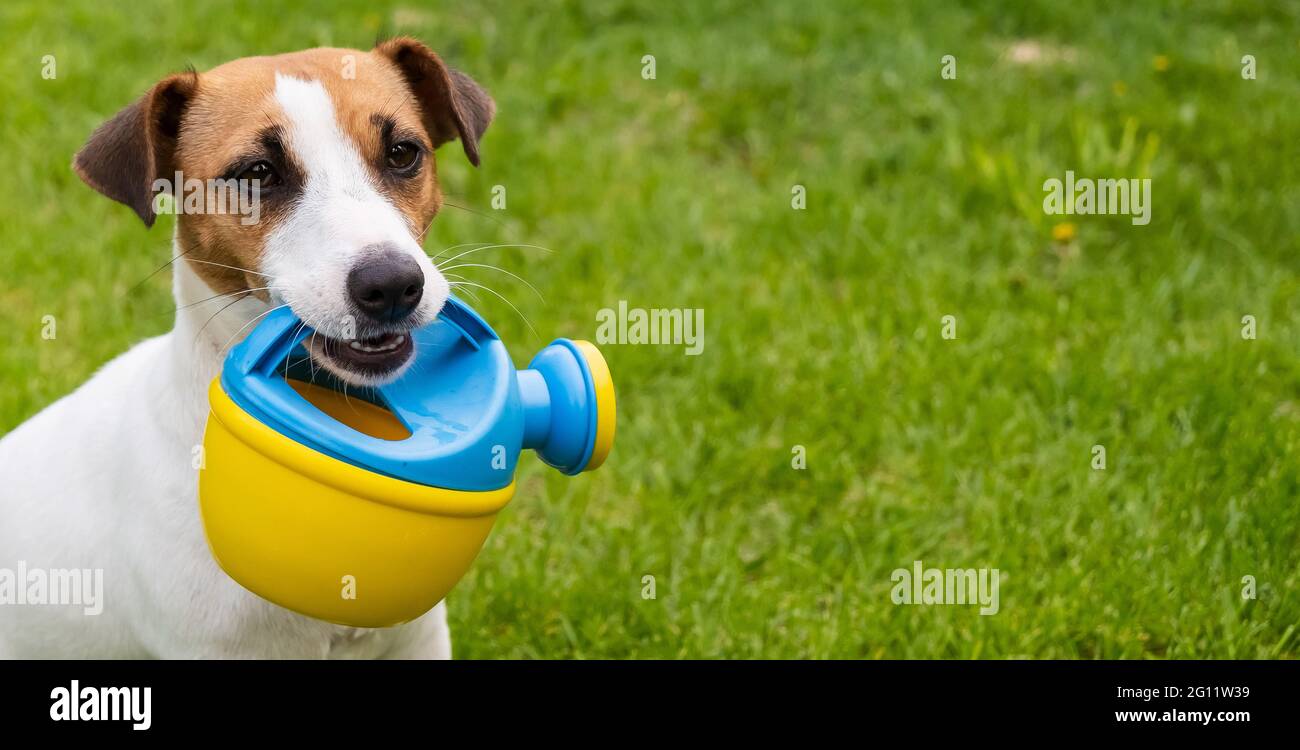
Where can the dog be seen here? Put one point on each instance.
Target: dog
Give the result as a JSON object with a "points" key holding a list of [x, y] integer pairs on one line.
{"points": [[339, 145]]}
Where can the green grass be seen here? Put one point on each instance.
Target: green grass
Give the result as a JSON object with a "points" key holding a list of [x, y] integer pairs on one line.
{"points": [[822, 325]]}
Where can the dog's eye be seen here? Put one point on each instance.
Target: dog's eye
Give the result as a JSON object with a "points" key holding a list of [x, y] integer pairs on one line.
{"points": [[263, 172], [402, 155]]}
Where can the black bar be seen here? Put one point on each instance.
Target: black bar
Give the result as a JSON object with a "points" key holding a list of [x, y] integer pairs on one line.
{"points": [[976, 698]]}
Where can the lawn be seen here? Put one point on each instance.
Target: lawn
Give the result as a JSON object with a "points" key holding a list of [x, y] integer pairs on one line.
{"points": [[823, 324]]}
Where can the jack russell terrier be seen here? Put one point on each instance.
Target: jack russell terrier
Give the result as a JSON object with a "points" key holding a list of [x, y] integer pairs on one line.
{"points": [[340, 143]]}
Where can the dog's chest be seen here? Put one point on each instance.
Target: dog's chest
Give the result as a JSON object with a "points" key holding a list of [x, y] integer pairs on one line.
{"points": [[357, 643]]}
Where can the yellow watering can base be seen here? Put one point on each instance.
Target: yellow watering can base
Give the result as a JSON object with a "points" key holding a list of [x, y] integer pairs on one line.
{"points": [[328, 539]]}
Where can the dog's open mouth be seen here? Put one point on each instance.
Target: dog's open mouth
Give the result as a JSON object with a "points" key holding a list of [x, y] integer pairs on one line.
{"points": [[371, 358]]}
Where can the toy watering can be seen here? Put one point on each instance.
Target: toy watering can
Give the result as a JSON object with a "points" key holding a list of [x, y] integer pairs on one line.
{"points": [[366, 508]]}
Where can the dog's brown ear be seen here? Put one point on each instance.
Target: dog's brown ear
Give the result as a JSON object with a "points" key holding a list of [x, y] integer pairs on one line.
{"points": [[126, 154], [451, 103]]}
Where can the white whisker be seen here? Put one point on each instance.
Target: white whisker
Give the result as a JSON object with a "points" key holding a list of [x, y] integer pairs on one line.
{"points": [[453, 284], [496, 268], [227, 294], [508, 302], [223, 265], [486, 247]]}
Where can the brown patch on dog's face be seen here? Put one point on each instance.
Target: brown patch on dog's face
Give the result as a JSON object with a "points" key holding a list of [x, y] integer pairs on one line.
{"points": [[234, 124]]}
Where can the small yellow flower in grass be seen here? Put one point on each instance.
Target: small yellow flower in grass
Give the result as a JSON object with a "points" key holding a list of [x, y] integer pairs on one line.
{"points": [[1063, 232], [1160, 63], [1119, 87]]}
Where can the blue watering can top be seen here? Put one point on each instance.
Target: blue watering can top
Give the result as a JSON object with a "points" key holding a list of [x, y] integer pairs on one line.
{"points": [[468, 410]]}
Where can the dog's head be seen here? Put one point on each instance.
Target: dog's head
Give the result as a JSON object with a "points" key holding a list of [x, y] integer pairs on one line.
{"points": [[334, 150]]}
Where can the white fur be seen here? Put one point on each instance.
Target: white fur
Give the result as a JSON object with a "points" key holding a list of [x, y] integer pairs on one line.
{"points": [[103, 478], [309, 255]]}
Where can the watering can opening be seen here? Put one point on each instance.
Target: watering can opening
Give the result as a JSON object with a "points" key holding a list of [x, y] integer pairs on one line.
{"points": [[366, 416]]}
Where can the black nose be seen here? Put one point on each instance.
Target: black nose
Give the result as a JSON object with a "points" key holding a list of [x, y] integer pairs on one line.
{"points": [[387, 285]]}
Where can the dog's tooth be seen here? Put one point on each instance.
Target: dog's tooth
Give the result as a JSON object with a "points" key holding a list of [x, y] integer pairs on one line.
{"points": [[357, 345]]}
